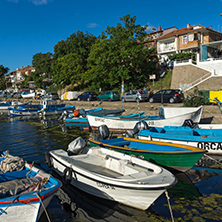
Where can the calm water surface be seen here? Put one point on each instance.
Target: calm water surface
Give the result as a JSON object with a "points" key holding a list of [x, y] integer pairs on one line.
{"points": [[196, 197]]}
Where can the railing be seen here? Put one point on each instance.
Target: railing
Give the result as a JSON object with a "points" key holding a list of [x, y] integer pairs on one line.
{"points": [[196, 82]]}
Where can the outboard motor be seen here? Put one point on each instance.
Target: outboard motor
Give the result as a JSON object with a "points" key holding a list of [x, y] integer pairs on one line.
{"points": [[64, 115], [142, 125], [76, 146], [82, 112], [189, 123], [103, 132]]}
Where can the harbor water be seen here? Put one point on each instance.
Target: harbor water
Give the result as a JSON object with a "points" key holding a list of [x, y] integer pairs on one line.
{"points": [[196, 197]]}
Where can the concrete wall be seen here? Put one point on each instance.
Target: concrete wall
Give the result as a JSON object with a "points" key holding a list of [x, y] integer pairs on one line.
{"points": [[186, 74]]}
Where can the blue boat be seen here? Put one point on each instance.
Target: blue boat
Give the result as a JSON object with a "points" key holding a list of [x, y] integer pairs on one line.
{"points": [[4, 105], [81, 117], [207, 139], [26, 191], [46, 107]]}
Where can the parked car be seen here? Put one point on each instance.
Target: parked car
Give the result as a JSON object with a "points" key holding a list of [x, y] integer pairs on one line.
{"points": [[135, 95], [3, 94], [87, 96], [109, 96], [40, 93], [169, 95], [51, 95]]}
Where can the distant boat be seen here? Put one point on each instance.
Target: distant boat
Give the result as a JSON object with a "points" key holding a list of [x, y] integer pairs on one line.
{"points": [[28, 95], [207, 139], [123, 123], [81, 118], [46, 107], [112, 175], [4, 105], [176, 156], [25, 193]]}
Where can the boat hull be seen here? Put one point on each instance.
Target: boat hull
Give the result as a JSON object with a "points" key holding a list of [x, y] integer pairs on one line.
{"points": [[119, 124], [28, 205], [181, 161], [211, 147], [131, 196]]}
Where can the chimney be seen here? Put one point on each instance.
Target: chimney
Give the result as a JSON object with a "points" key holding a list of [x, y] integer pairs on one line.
{"points": [[188, 26], [159, 28]]}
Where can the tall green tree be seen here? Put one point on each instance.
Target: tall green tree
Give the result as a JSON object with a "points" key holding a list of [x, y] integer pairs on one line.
{"points": [[42, 63], [78, 43], [3, 71], [119, 57], [68, 69]]}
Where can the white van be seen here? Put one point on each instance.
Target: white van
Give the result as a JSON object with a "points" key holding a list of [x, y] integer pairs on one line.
{"points": [[71, 95]]}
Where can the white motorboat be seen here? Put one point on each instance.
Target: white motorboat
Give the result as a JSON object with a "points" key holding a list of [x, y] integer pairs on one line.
{"points": [[112, 175], [166, 117]]}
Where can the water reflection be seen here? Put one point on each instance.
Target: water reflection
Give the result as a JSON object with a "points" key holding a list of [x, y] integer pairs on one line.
{"points": [[197, 194]]}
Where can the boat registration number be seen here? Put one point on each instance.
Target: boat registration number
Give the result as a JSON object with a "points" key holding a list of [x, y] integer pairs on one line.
{"points": [[106, 186], [99, 119]]}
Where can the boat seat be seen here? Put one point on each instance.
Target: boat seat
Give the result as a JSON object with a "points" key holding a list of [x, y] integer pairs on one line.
{"points": [[13, 175], [134, 176]]}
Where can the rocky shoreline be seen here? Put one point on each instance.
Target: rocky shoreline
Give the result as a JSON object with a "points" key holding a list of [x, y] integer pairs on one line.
{"points": [[211, 113]]}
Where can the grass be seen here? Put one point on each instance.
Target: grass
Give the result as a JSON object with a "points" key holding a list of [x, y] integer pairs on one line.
{"points": [[166, 82]]}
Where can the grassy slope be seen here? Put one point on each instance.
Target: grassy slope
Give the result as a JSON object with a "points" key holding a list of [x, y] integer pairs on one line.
{"points": [[166, 82]]}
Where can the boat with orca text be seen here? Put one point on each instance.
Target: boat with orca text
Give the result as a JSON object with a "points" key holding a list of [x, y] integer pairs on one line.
{"points": [[203, 138]]}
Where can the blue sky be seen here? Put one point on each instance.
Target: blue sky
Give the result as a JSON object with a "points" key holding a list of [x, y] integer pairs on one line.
{"points": [[33, 26]]}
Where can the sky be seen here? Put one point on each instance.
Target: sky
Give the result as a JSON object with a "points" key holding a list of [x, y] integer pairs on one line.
{"points": [[33, 26]]}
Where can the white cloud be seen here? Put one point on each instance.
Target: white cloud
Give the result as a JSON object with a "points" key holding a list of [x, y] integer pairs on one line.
{"points": [[150, 28], [92, 25], [41, 2]]}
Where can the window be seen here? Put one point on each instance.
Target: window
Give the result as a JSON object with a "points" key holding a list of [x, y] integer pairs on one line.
{"points": [[185, 39], [193, 37]]}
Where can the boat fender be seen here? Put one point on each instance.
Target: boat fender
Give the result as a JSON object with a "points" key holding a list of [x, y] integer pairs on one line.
{"points": [[67, 175], [48, 159], [76, 113]]}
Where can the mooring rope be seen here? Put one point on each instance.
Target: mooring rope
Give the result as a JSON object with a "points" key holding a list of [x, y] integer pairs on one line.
{"points": [[168, 200], [212, 159], [43, 207]]}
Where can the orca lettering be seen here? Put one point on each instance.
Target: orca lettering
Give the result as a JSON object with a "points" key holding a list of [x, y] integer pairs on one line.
{"points": [[209, 146]]}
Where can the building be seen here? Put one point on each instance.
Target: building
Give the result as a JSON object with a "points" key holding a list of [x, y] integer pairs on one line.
{"points": [[15, 78], [196, 38], [204, 70]]}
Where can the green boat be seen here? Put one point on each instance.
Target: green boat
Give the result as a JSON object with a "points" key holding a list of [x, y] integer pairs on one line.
{"points": [[176, 156]]}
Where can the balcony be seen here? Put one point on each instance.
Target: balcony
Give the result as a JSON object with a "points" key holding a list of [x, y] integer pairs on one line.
{"points": [[166, 49]]}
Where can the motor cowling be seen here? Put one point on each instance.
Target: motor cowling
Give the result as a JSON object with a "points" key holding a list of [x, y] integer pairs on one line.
{"points": [[142, 125], [76, 146], [103, 132]]}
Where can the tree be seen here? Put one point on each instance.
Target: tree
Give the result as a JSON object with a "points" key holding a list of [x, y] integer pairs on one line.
{"points": [[3, 71], [42, 63], [78, 43], [68, 69], [119, 57]]}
